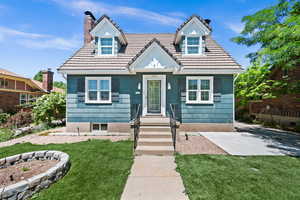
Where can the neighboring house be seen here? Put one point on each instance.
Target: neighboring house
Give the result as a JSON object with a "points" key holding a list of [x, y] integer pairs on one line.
{"points": [[115, 71], [17, 90], [284, 109]]}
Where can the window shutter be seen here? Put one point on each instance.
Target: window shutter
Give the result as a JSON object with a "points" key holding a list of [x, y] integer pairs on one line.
{"points": [[81, 84], [116, 45], [182, 44], [217, 90], [115, 88], [203, 43], [182, 85]]}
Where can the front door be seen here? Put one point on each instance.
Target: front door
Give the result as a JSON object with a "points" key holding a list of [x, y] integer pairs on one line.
{"points": [[154, 94], [153, 97]]}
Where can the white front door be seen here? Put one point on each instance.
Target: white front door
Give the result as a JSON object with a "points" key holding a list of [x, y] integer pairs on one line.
{"points": [[154, 95]]}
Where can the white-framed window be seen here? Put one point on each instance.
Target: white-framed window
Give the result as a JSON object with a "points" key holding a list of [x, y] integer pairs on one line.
{"points": [[106, 46], [98, 89], [199, 89], [193, 45]]}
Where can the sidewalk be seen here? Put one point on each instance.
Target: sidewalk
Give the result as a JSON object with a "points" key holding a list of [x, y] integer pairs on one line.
{"points": [[154, 177]]}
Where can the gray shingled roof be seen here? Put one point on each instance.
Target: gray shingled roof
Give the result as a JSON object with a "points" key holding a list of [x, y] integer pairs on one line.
{"points": [[215, 56]]}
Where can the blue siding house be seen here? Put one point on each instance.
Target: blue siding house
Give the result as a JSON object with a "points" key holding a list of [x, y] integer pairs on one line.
{"points": [[114, 72]]}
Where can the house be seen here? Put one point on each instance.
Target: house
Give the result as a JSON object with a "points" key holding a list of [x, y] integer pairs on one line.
{"points": [[17, 90], [114, 72], [285, 109]]}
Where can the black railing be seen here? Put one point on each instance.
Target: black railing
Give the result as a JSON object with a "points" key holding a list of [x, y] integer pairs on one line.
{"points": [[136, 125], [173, 124]]}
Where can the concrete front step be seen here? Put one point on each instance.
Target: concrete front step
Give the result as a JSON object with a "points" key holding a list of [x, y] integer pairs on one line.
{"points": [[154, 150], [155, 142], [149, 134], [155, 129], [155, 121]]}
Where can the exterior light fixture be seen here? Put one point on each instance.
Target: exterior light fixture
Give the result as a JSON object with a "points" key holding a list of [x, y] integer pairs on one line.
{"points": [[169, 86], [139, 86]]}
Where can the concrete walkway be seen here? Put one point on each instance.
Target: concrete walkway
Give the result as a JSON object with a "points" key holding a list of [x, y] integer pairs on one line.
{"points": [[154, 177]]}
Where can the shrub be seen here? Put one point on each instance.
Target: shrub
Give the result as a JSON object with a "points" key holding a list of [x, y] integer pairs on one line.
{"points": [[19, 119], [3, 117], [49, 107]]}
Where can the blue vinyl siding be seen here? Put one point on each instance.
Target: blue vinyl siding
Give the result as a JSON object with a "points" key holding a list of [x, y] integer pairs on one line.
{"points": [[221, 111], [127, 95], [118, 111]]}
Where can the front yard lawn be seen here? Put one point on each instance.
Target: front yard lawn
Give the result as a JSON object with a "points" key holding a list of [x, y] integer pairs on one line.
{"points": [[99, 169], [224, 177]]}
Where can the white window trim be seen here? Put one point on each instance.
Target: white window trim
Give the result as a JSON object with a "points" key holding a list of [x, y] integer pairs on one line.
{"points": [[198, 100], [112, 46], [186, 45], [98, 90]]}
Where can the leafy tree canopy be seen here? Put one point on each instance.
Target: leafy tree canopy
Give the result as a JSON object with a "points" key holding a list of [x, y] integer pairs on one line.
{"points": [[277, 30], [38, 76], [59, 84]]}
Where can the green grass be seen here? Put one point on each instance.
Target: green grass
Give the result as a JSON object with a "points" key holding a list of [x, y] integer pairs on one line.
{"points": [[5, 134], [223, 177], [99, 169]]}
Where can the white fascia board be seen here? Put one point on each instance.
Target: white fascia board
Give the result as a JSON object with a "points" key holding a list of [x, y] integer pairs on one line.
{"points": [[210, 71], [95, 71], [202, 28], [100, 25]]}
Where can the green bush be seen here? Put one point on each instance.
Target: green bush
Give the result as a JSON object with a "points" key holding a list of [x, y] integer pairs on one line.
{"points": [[49, 107], [3, 117]]}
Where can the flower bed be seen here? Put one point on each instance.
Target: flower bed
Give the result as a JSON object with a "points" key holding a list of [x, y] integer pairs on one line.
{"points": [[27, 187]]}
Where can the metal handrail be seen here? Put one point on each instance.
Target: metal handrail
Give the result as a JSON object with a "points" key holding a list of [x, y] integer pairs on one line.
{"points": [[136, 126], [173, 125]]}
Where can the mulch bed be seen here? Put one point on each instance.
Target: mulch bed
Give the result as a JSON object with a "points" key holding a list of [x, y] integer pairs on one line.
{"points": [[197, 145], [25, 170]]}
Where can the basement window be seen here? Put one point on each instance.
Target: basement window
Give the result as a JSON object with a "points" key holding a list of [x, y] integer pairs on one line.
{"points": [[99, 127]]}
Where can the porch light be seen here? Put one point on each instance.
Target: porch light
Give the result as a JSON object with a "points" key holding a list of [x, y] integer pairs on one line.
{"points": [[139, 86], [169, 86]]}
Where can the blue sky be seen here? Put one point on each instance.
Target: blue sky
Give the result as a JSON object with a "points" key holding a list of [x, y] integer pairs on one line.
{"points": [[40, 34]]}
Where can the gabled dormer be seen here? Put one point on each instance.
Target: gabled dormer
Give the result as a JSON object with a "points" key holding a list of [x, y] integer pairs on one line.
{"points": [[107, 36], [190, 36]]}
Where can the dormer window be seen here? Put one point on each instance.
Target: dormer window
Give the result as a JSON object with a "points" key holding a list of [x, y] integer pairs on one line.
{"points": [[193, 45], [105, 46]]}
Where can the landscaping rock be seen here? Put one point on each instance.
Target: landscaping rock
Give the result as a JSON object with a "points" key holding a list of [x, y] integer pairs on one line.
{"points": [[26, 188]]}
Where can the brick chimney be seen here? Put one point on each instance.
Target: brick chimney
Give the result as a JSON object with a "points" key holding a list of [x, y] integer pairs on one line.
{"points": [[47, 80], [89, 21]]}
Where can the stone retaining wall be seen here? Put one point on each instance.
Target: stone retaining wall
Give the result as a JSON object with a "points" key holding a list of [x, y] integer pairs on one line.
{"points": [[26, 188]]}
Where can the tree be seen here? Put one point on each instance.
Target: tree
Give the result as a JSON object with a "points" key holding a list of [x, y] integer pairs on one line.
{"points": [[59, 84], [49, 107], [38, 76], [277, 30]]}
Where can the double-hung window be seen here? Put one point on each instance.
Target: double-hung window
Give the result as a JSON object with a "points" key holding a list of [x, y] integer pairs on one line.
{"points": [[199, 89], [98, 90], [106, 46], [193, 45], [23, 98]]}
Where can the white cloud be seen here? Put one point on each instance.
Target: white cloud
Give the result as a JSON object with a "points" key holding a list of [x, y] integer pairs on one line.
{"points": [[104, 8], [38, 41], [52, 43], [236, 27], [12, 32]]}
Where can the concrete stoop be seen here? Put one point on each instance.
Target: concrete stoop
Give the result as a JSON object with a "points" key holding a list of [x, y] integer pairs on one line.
{"points": [[155, 137]]}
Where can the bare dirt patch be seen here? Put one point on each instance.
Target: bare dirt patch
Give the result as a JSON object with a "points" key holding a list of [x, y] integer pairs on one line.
{"points": [[197, 145], [25, 170]]}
